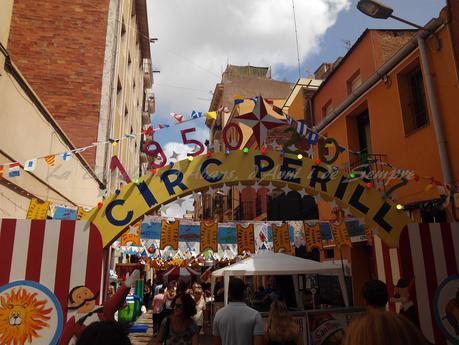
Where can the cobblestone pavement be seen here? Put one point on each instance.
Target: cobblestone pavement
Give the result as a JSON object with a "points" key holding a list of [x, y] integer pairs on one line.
{"points": [[144, 338]]}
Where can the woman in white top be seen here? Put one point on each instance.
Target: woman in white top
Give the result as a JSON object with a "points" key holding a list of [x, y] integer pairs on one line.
{"points": [[200, 307]]}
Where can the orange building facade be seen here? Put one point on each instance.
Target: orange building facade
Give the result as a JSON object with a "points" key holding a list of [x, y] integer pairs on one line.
{"points": [[390, 119]]}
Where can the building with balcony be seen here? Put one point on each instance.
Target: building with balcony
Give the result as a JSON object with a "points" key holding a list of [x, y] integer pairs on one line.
{"points": [[376, 101], [90, 64]]}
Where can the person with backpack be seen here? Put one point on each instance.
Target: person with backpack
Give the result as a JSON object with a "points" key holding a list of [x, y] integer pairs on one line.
{"points": [[179, 328]]}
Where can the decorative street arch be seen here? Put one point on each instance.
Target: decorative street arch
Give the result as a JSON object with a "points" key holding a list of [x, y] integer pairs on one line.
{"points": [[136, 199]]}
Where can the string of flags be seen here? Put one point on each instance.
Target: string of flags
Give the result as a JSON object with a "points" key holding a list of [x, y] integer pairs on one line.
{"points": [[13, 169]]}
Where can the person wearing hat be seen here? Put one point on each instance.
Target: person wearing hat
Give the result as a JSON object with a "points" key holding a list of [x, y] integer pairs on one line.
{"points": [[83, 301], [402, 295]]}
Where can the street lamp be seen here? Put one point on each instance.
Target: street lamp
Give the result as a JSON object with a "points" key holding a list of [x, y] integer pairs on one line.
{"points": [[378, 10]]}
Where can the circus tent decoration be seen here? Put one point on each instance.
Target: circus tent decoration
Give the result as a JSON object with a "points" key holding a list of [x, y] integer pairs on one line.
{"points": [[261, 119], [184, 273]]}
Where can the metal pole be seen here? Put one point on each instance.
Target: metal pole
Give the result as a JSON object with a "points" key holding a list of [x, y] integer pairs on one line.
{"points": [[436, 119]]}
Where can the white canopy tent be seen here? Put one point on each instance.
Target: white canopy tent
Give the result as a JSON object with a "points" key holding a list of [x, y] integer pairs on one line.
{"points": [[272, 264]]}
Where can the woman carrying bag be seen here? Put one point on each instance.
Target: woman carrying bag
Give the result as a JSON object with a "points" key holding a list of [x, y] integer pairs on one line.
{"points": [[179, 328]]}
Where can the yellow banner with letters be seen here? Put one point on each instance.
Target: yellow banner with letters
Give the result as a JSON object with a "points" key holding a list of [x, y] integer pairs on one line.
{"points": [[148, 193]]}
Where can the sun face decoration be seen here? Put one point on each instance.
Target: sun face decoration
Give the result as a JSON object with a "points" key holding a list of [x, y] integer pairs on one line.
{"points": [[22, 316]]}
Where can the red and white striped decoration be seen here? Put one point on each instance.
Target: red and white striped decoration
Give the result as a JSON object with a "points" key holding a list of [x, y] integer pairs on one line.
{"points": [[429, 253], [59, 254]]}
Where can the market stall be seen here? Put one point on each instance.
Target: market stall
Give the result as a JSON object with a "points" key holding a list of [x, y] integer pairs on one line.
{"points": [[277, 264]]}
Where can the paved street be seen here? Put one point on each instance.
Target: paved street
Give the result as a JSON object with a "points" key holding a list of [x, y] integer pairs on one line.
{"points": [[144, 338]]}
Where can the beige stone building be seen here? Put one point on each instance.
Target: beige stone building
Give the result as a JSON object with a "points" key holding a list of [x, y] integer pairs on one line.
{"points": [[80, 73]]}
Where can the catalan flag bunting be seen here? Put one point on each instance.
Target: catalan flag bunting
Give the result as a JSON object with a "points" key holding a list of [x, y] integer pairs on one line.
{"points": [[50, 160]]}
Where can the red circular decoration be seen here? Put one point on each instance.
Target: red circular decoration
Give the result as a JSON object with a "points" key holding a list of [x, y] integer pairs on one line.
{"points": [[239, 135], [99, 205], [264, 149], [369, 185], [317, 161], [153, 171], [209, 154]]}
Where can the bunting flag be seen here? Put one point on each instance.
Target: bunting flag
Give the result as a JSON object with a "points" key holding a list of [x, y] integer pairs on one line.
{"points": [[37, 209], [50, 160], [66, 156], [281, 238], [368, 234], [13, 169], [340, 235], [312, 137], [196, 114], [30, 165], [208, 236], [169, 234], [313, 236], [81, 213], [301, 128], [245, 239], [132, 236], [1, 171], [298, 233], [261, 235], [65, 213], [238, 101], [212, 115], [177, 117]]}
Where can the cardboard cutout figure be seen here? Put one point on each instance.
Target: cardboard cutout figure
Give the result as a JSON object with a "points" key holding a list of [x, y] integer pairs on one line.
{"points": [[83, 300], [402, 295]]}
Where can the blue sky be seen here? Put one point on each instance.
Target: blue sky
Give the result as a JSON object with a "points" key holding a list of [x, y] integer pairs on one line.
{"points": [[197, 38], [200, 78]]}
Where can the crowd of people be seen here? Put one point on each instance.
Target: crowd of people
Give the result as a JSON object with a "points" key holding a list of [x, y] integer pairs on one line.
{"points": [[180, 312]]}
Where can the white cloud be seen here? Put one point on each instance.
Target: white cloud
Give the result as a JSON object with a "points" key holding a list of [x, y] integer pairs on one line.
{"points": [[197, 38], [174, 210]]}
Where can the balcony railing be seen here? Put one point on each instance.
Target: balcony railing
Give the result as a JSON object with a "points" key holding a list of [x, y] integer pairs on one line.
{"points": [[373, 165]]}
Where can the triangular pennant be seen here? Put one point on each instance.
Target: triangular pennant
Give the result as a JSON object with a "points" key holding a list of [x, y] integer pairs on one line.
{"points": [[312, 137], [50, 160], [30, 165]]}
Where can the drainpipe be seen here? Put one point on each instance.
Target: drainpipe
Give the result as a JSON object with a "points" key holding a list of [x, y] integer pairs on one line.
{"points": [[417, 41], [436, 119]]}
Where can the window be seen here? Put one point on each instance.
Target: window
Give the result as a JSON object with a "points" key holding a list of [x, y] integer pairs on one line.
{"points": [[327, 109], [354, 82], [418, 98], [412, 99]]}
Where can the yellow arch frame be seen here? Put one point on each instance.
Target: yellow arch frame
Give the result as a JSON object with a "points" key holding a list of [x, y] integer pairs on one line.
{"points": [[137, 199]]}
